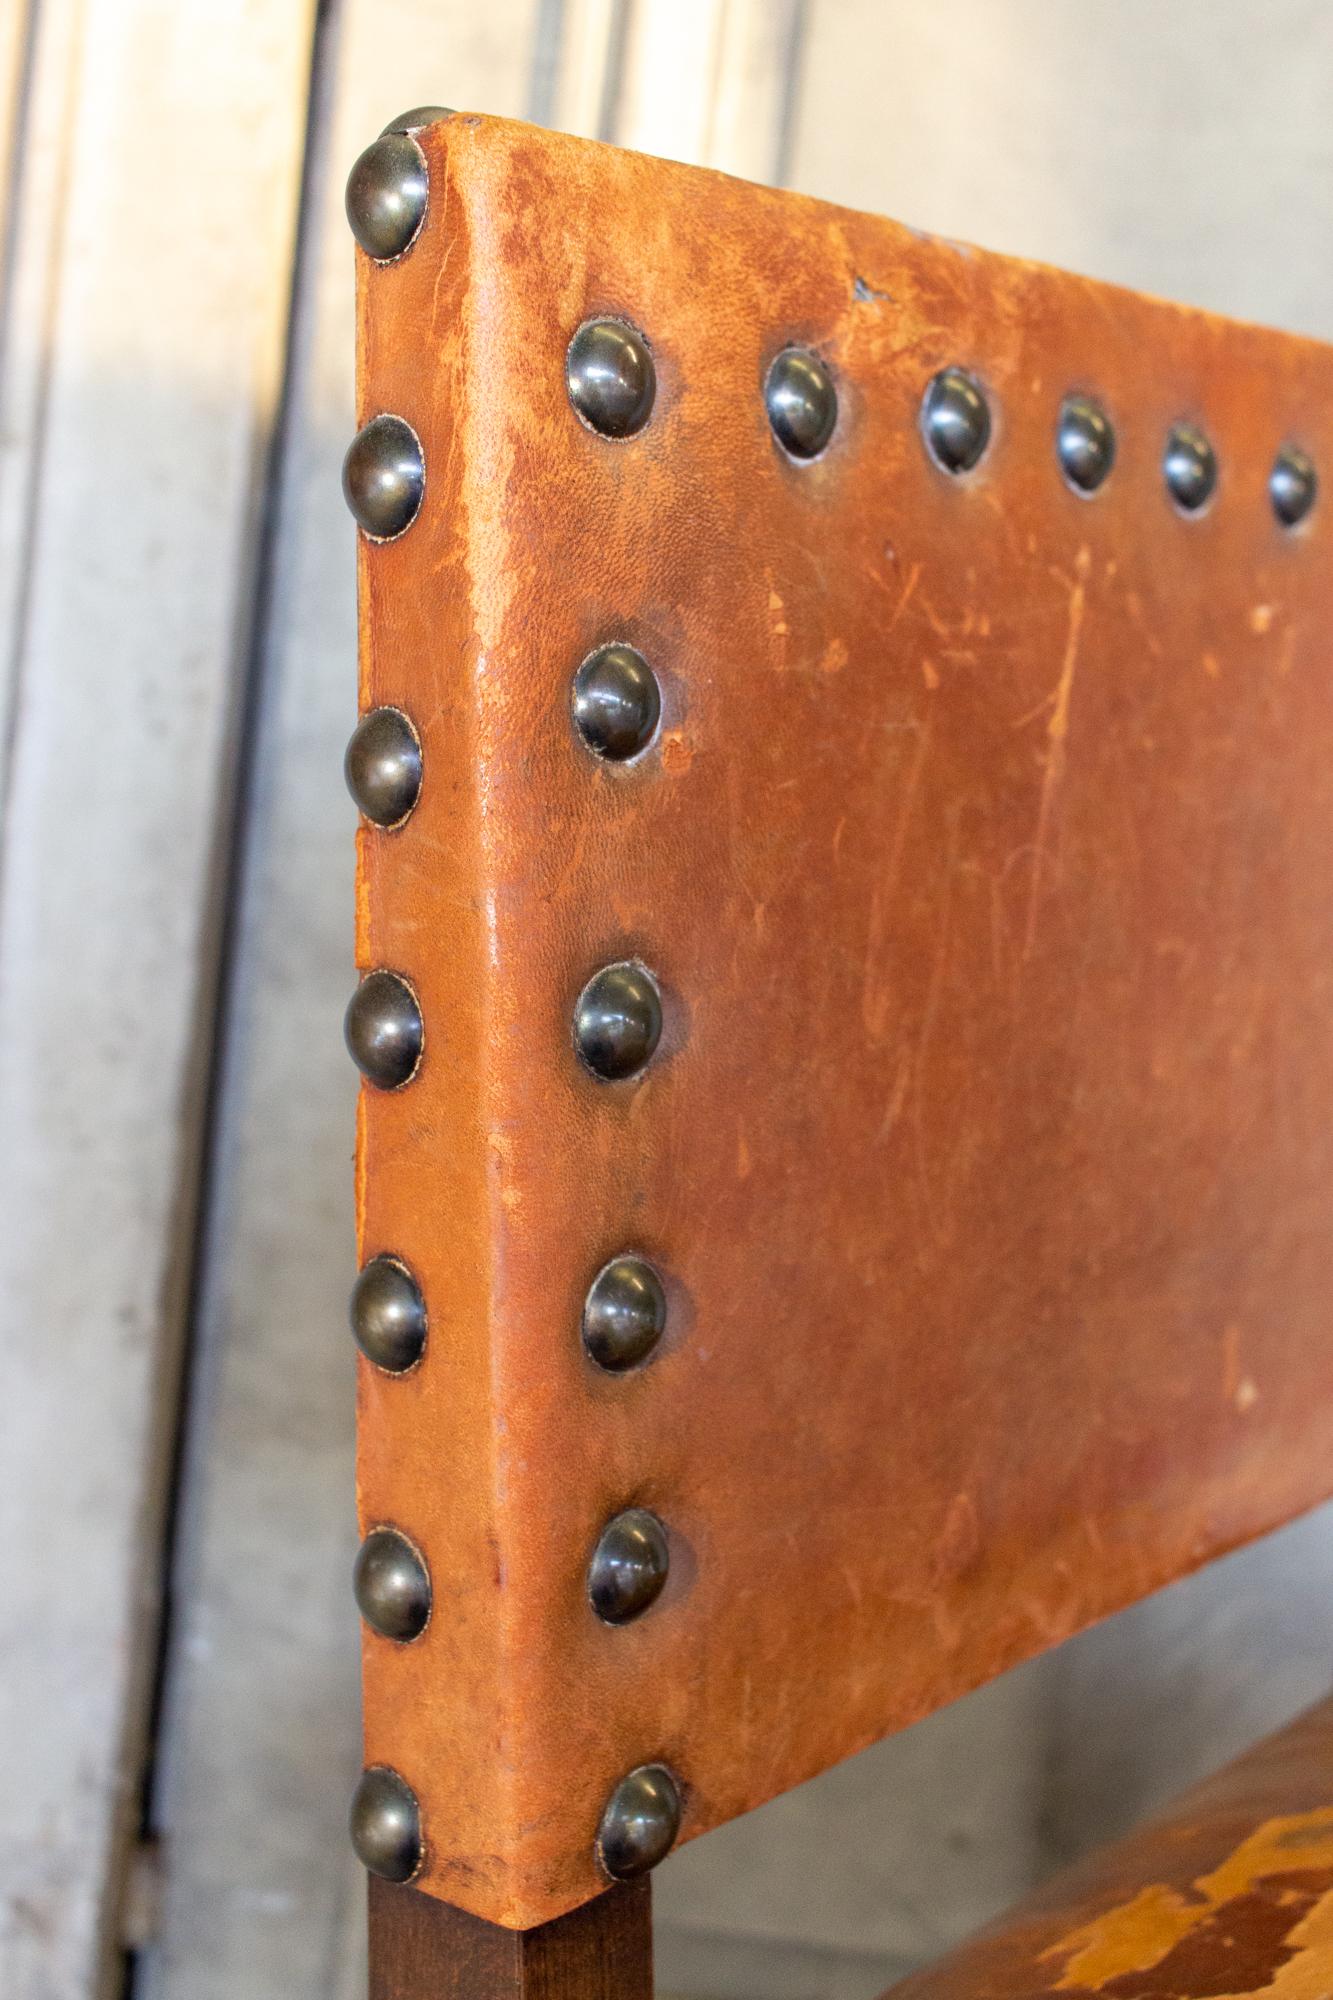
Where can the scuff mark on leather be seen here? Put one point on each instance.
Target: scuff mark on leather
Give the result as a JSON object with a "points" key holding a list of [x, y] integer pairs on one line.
{"points": [[1057, 730]]}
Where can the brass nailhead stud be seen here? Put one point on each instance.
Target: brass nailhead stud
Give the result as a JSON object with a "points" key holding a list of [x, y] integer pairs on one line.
{"points": [[412, 121], [616, 702], [385, 1824], [639, 1822], [955, 420], [629, 1566], [388, 1315], [1293, 485], [383, 766], [383, 1031], [611, 378], [624, 1314], [384, 477], [386, 196], [1085, 443], [802, 402], [1189, 468], [618, 1020], [392, 1585]]}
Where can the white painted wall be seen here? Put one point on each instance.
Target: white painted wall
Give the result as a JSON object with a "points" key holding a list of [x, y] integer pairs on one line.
{"points": [[146, 295]]}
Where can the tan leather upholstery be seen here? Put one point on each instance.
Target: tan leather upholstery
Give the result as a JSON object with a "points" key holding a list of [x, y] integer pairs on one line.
{"points": [[983, 856]]}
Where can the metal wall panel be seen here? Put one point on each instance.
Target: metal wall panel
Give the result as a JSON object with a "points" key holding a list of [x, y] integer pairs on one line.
{"points": [[146, 314]]}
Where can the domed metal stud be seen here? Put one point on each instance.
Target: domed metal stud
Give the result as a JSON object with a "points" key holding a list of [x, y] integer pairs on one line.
{"points": [[383, 1031], [629, 1566], [1084, 443], [1189, 468], [624, 1314], [384, 477], [618, 1020], [383, 766], [611, 378], [392, 1585], [388, 1315], [955, 420], [802, 402], [385, 1824], [386, 196], [412, 121], [616, 702], [1293, 485], [639, 1822]]}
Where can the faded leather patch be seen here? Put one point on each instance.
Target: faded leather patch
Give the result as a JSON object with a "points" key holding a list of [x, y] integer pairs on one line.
{"points": [[1261, 1923]]}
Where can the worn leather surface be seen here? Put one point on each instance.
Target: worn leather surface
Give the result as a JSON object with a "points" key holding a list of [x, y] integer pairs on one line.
{"points": [[984, 859], [1228, 1894]]}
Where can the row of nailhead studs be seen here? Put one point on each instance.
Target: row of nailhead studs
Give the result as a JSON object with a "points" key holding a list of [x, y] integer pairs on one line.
{"points": [[612, 362], [384, 1031], [384, 474], [386, 204], [617, 1023], [617, 705]]}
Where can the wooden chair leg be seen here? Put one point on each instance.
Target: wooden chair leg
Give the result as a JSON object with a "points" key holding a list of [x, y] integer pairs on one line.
{"points": [[422, 1949]]}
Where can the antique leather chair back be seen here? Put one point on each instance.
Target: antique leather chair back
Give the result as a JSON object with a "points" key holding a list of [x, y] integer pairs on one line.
{"points": [[844, 1168]]}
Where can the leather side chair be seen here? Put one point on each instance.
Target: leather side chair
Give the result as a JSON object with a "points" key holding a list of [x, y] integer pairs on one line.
{"points": [[845, 1175]]}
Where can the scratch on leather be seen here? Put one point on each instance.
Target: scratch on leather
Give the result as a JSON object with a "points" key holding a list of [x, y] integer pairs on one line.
{"points": [[876, 990], [1057, 730]]}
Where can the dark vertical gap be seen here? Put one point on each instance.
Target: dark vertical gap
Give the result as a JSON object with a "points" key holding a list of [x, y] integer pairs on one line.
{"points": [[797, 38], [214, 1018], [1050, 1843], [613, 76], [544, 76]]}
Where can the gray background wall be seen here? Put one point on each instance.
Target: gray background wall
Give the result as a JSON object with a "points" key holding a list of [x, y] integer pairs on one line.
{"points": [[177, 1643]]}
